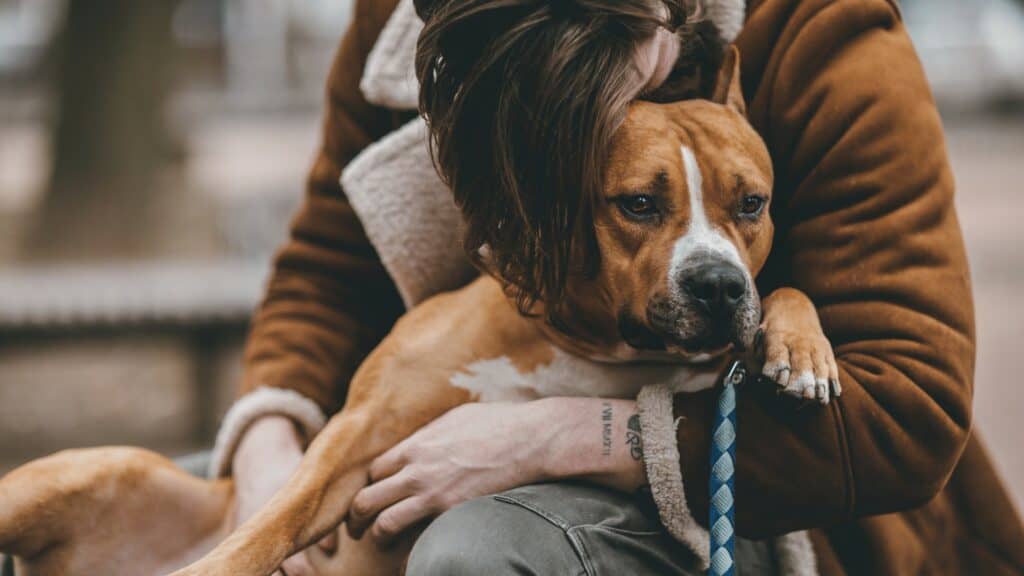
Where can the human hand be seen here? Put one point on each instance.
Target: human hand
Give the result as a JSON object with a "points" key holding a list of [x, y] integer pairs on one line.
{"points": [[479, 449], [266, 458]]}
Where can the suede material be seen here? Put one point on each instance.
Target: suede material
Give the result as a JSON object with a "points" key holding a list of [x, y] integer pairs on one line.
{"points": [[865, 226]]}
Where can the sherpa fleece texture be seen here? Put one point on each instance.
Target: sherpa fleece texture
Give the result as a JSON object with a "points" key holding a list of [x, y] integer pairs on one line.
{"points": [[262, 402], [389, 79], [408, 214], [390, 76]]}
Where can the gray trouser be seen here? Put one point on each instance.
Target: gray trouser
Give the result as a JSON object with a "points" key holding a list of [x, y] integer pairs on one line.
{"points": [[562, 529]]}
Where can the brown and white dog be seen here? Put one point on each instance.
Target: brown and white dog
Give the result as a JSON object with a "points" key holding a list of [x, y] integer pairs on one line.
{"points": [[683, 230]]}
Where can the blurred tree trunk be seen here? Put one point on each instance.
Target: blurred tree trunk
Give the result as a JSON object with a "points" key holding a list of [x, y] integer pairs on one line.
{"points": [[111, 147]]}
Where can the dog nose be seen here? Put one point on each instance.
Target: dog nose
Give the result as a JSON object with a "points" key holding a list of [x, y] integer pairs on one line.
{"points": [[719, 287]]}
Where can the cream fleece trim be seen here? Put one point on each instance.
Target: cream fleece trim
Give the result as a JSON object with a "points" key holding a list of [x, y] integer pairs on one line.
{"points": [[409, 214], [256, 404], [389, 78], [661, 459], [796, 554], [728, 16]]}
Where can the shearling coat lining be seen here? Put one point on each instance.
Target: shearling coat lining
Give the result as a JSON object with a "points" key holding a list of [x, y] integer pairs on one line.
{"points": [[408, 214], [661, 460], [389, 79], [262, 402]]}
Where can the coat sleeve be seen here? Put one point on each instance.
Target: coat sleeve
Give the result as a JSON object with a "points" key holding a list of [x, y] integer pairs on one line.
{"points": [[329, 299], [867, 228]]}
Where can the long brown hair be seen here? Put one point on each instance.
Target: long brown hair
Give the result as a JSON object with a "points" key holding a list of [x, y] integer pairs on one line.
{"points": [[522, 98]]}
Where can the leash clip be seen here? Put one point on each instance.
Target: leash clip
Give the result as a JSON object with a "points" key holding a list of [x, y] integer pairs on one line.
{"points": [[736, 375]]}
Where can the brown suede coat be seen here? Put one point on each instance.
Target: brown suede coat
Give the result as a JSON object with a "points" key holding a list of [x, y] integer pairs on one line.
{"points": [[890, 476]]}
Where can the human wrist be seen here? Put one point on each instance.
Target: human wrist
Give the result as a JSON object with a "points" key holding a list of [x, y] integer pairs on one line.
{"points": [[255, 405], [268, 435], [593, 439]]}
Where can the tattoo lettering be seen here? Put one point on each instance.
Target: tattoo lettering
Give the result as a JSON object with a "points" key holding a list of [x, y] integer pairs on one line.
{"points": [[633, 437], [606, 429]]}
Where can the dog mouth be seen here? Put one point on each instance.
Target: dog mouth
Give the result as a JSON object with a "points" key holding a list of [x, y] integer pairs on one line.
{"points": [[709, 344], [685, 328]]}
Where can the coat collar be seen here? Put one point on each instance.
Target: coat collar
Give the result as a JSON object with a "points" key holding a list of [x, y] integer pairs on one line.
{"points": [[389, 79]]}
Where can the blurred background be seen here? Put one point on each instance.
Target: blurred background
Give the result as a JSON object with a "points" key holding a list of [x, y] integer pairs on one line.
{"points": [[152, 153]]}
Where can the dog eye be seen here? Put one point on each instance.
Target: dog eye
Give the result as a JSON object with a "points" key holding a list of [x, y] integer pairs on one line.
{"points": [[752, 205], [638, 206]]}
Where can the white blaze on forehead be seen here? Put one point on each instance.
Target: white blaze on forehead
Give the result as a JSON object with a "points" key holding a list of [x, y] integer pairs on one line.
{"points": [[695, 183], [703, 240]]}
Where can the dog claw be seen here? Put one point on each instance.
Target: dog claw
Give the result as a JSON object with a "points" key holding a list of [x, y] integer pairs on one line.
{"points": [[822, 389], [805, 386], [777, 373]]}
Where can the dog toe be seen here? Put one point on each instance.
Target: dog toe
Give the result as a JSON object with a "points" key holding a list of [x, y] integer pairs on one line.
{"points": [[805, 384], [777, 372], [821, 387]]}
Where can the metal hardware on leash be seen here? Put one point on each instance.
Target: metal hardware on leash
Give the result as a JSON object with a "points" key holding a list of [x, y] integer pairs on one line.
{"points": [[723, 470]]}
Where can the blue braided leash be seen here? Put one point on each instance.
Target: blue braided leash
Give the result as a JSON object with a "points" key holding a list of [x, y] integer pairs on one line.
{"points": [[723, 471]]}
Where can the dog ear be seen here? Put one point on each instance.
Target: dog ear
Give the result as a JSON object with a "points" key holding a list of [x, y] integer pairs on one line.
{"points": [[728, 89]]}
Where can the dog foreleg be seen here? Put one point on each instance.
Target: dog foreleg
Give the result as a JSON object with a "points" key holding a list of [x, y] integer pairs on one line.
{"points": [[316, 499]]}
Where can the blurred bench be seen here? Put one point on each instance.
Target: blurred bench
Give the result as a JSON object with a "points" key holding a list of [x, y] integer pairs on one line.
{"points": [[205, 304], [75, 297]]}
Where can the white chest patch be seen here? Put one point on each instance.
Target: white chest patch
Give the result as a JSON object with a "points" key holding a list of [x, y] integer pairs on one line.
{"points": [[498, 379], [702, 240]]}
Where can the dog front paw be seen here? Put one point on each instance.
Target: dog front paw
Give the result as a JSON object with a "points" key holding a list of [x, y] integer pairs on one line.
{"points": [[797, 355]]}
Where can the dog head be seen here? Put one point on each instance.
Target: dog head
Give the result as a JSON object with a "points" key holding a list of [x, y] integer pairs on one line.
{"points": [[683, 229]]}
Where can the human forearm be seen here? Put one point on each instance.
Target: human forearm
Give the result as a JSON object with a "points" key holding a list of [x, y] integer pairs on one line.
{"points": [[478, 449], [597, 439], [266, 457]]}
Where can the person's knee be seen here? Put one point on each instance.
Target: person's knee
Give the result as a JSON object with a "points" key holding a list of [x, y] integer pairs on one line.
{"points": [[483, 536], [456, 544]]}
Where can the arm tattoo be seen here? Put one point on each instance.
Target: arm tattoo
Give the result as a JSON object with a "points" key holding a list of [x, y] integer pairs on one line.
{"points": [[606, 429], [633, 437]]}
